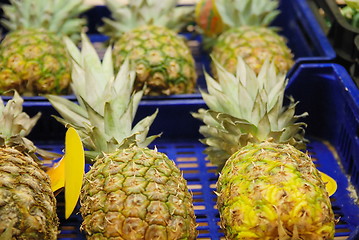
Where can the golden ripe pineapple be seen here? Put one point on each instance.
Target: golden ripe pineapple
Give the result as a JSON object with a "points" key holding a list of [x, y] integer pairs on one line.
{"points": [[131, 191], [146, 32], [267, 189], [27, 203], [33, 58], [249, 35]]}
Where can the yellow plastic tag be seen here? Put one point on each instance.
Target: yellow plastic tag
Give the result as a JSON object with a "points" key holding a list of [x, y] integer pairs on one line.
{"points": [[69, 171], [57, 175], [330, 183]]}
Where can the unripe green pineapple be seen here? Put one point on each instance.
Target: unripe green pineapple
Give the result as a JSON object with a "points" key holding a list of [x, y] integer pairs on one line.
{"points": [[146, 32], [131, 191], [27, 203], [34, 61], [33, 58], [249, 35], [267, 188]]}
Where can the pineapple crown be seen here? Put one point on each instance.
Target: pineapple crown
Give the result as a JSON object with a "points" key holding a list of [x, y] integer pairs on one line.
{"points": [[145, 12], [58, 16], [247, 108], [14, 120], [106, 103], [16, 125], [236, 13]]}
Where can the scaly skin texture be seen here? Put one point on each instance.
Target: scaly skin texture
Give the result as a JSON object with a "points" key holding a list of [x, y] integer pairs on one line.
{"points": [[254, 45], [273, 191], [34, 62], [27, 204], [136, 193], [163, 60]]}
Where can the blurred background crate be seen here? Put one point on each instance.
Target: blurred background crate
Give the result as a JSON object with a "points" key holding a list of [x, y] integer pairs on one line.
{"points": [[296, 22], [342, 35]]}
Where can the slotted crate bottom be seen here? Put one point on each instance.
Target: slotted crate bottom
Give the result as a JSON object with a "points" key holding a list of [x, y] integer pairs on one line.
{"points": [[201, 177]]}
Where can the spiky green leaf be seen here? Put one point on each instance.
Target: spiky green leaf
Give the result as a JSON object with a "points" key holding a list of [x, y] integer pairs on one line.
{"points": [[60, 17], [250, 111], [106, 102], [126, 17], [236, 13]]}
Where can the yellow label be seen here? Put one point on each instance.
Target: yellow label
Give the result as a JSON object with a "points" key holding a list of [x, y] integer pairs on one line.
{"points": [[330, 183], [69, 171]]}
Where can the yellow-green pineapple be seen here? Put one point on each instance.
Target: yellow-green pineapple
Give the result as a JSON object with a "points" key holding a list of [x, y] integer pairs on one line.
{"points": [[27, 203], [267, 188], [33, 58], [146, 32], [249, 35], [131, 191]]}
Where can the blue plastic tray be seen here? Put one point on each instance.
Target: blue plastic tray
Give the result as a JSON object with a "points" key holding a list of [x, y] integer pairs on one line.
{"points": [[201, 178], [324, 90]]}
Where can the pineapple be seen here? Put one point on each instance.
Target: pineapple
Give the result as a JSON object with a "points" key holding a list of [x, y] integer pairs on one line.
{"points": [[267, 188], [146, 32], [131, 191], [207, 18], [33, 58], [249, 35], [27, 203]]}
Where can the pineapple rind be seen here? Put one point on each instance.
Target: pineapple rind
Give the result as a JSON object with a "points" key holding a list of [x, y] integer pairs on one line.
{"points": [[163, 60], [254, 44], [273, 191], [27, 204], [34, 61], [136, 193]]}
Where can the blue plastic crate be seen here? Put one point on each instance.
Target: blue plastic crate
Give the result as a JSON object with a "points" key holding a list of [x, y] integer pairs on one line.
{"points": [[324, 90], [341, 34], [296, 22], [305, 37]]}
